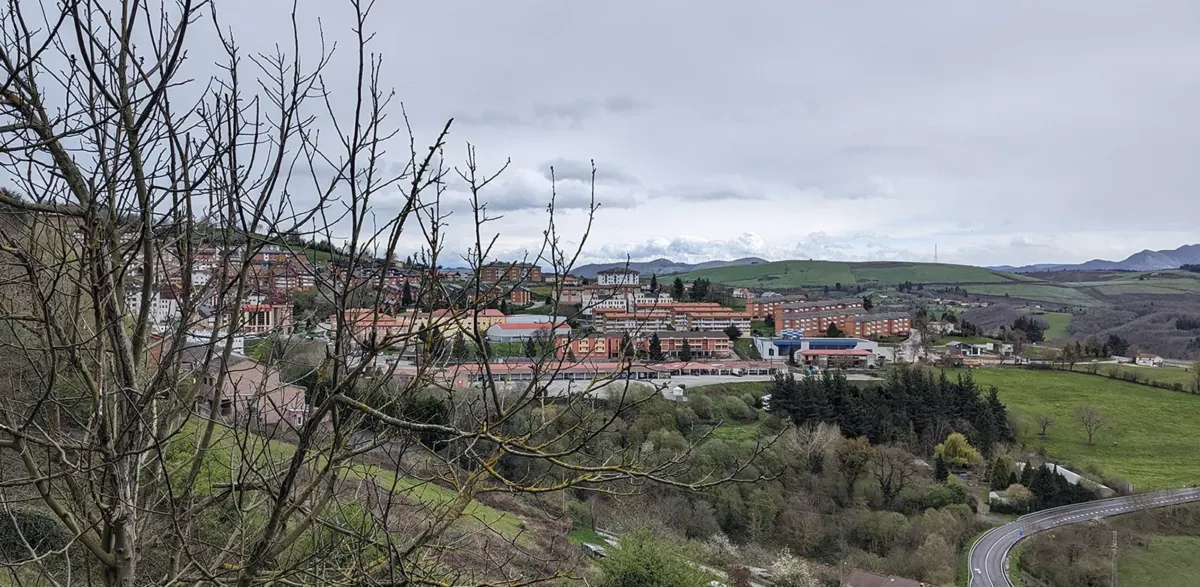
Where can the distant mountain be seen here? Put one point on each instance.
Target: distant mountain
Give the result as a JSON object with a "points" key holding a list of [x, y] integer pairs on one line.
{"points": [[662, 266], [1144, 261]]}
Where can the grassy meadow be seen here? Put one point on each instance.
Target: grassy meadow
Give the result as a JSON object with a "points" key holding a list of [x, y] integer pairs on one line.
{"points": [[1151, 438]]}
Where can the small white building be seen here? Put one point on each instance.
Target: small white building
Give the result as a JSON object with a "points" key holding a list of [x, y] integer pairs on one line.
{"points": [[1149, 360], [618, 276]]}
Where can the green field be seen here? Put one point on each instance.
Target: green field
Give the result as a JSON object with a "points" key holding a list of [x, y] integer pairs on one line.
{"points": [[1166, 561], [1151, 287], [810, 273], [1036, 292], [1151, 441], [1163, 374], [1057, 322]]}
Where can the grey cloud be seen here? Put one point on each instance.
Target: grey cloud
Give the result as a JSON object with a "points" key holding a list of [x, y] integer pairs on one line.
{"points": [[527, 190], [935, 125], [581, 171], [714, 192], [573, 114]]}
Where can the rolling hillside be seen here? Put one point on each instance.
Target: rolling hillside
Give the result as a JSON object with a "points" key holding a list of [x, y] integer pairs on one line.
{"points": [[785, 274]]}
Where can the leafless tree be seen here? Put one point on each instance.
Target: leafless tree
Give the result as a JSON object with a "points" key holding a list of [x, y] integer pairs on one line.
{"points": [[894, 469], [1092, 420], [1044, 421], [143, 208]]}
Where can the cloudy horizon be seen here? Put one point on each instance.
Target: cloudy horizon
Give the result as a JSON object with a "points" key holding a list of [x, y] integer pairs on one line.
{"points": [[1005, 133]]}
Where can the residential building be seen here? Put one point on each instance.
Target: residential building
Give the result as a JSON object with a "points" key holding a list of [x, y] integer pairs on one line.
{"points": [[716, 320], [614, 320], [768, 305], [164, 303], [741, 293], [618, 276], [702, 344], [595, 346], [266, 318], [1148, 360], [565, 280], [621, 297], [512, 272], [249, 392], [522, 331], [882, 324]]}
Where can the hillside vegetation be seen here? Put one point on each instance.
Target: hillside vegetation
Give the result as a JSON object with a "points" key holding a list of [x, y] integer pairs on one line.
{"points": [[808, 273]]}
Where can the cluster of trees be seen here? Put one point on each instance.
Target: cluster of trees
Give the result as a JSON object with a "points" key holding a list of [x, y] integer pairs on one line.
{"points": [[1036, 488], [912, 406], [909, 287], [1032, 329], [828, 498], [1113, 345], [1191, 267], [1187, 323]]}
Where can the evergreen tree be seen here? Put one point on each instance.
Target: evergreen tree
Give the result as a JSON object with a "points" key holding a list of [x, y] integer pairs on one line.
{"points": [[868, 303], [678, 291], [656, 353], [627, 350], [940, 471], [406, 298], [654, 284], [531, 350], [459, 350], [685, 351], [700, 289], [504, 306], [833, 331]]}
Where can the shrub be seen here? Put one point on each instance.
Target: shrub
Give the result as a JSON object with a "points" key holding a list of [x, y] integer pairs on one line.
{"points": [[22, 529]]}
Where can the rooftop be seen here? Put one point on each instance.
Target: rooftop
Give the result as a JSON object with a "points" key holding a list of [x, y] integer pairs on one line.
{"points": [[850, 303]]}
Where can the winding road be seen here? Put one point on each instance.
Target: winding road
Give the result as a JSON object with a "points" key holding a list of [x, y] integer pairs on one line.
{"points": [[989, 555]]}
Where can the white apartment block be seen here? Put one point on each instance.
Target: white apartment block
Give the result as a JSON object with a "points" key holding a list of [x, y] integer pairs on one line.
{"points": [[618, 276]]}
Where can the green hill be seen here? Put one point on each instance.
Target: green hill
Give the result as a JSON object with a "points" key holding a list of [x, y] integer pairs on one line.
{"points": [[1150, 435], [808, 273]]}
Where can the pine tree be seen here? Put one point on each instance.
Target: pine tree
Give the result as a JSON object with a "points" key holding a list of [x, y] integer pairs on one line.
{"points": [[531, 349], [685, 351], [654, 284], [406, 298], [678, 290], [459, 350], [627, 350], [940, 471], [656, 353]]}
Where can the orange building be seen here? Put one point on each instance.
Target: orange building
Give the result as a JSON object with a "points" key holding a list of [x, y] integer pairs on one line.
{"points": [[702, 344], [517, 272]]}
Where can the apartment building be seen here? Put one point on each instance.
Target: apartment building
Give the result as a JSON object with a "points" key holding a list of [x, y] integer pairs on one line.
{"points": [[713, 345], [715, 321], [594, 346], [515, 272], [266, 318], [851, 321], [761, 307], [618, 276], [614, 320], [883, 324]]}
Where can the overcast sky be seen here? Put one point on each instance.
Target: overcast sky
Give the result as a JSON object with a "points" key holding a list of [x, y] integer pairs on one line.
{"points": [[1003, 132]]}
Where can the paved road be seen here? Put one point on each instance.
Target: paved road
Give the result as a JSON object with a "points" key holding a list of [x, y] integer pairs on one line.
{"points": [[989, 556]]}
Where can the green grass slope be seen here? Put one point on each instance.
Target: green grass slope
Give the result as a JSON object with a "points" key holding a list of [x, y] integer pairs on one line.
{"points": [[1166, 561], [809, 273], [1151, 438]]}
